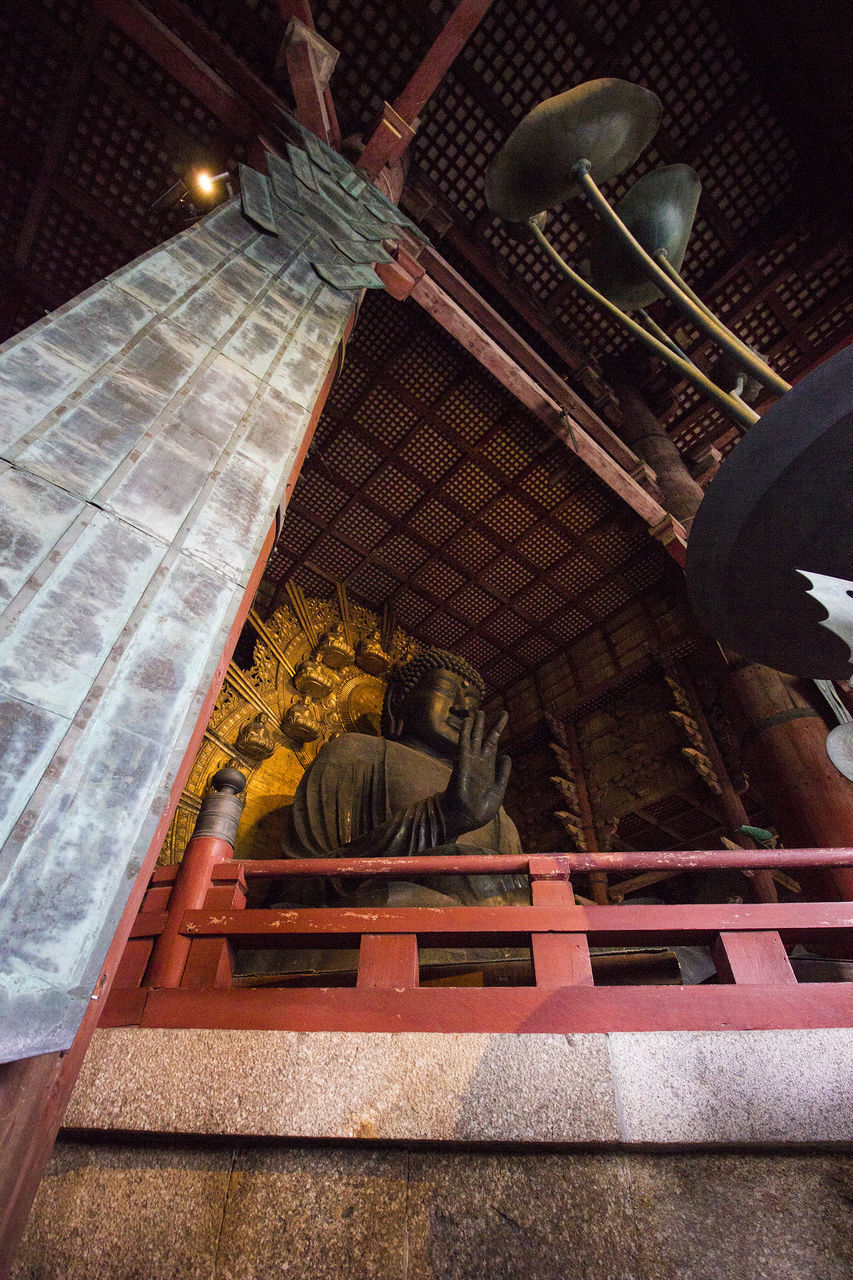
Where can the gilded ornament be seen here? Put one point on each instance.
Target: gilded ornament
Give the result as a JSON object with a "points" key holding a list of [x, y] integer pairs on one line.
{"points": [[335, 648], [300, 722], [370, 655], [312, 678], [255, 740]]}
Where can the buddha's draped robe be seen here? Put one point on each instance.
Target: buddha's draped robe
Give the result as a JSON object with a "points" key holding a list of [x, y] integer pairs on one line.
{"points": [[371, 797]]}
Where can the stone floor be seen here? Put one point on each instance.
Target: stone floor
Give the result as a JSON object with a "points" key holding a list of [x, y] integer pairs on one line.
{"points": [[258, 1212]]}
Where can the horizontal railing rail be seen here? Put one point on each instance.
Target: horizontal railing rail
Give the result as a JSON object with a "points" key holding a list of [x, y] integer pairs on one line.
{"points": [[178, 968], [562, 863]]}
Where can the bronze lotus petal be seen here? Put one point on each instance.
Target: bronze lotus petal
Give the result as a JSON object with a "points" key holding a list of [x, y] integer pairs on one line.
{"points": [[658, 210], [608, 122]]}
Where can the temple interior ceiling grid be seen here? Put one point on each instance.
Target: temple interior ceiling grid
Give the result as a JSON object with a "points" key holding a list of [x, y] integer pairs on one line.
{"points": [[429, 486]]}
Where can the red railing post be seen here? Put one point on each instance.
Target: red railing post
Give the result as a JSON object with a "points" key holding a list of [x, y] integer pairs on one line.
{"points": [[755, 956], [210, 961], [212, 842], [559, 959], [388, 960]]}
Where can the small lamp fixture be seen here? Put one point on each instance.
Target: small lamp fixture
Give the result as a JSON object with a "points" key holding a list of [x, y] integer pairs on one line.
{"points": [[205, 183]]}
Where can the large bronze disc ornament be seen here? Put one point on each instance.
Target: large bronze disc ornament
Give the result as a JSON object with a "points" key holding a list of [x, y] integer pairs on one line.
{"points": [[319, 671]]}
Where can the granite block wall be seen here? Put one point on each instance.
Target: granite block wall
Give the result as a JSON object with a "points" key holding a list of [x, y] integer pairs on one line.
{"points": [[147, 431]]}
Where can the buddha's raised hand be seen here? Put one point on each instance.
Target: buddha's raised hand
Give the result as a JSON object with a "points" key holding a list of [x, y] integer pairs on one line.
{"points": [[477, 784]]}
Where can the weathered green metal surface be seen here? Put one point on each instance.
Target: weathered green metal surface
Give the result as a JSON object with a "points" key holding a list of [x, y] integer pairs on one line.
{"points": [[608, 122], [658, 210]]}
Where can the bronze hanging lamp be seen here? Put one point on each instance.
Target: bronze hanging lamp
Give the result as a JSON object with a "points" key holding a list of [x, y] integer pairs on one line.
{"points": [[658, 210], [562, 148], [608, 122]]}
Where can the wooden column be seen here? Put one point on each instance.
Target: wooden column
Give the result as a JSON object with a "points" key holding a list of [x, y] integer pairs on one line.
{"points": [[783, 744], [643, 431]]}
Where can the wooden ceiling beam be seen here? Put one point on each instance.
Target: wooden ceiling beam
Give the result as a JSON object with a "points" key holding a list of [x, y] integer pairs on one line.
{"points": [[447, 45], [509, 373], [219, 58], [579, 363], [185, 66], [330, 129], [391, 137]]}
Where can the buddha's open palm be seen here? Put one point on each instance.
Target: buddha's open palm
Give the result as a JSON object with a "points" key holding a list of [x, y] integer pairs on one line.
{"points": [[477, 784]]}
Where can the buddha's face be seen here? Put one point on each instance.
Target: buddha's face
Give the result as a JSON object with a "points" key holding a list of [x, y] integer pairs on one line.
{"points": [[434, 711]]}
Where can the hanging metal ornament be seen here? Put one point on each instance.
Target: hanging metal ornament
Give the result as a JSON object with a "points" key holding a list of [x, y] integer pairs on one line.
{"points": [[608, 122], [658, 210]]}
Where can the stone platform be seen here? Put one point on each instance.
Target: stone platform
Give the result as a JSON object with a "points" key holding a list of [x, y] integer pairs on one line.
{"points": [[333, 1156]]}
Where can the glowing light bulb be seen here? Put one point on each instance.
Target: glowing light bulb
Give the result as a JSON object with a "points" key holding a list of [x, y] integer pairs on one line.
{"points": [[204, 182]]}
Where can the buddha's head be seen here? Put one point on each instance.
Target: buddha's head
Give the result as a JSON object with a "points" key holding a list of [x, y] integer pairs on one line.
{"points": [[427, 700]]}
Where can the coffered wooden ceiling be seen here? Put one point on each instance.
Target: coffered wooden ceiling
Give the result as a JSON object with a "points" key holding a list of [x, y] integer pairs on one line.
{"points": [[428, 484]]}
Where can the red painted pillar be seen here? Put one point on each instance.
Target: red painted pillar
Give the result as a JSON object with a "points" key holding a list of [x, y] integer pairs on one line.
{"points": [[783, 745], [212, 842], [782, 737]]}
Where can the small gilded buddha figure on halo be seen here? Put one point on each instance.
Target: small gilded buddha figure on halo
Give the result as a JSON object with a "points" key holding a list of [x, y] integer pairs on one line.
{"points": [[433, 783]]}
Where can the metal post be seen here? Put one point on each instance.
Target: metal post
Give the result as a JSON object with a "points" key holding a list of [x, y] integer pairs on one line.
{"points": [[735, 409], [701, 317], [212, 842]]}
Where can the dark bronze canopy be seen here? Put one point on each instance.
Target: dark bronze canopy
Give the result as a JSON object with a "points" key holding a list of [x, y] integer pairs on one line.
{"points": [[608, 122]]}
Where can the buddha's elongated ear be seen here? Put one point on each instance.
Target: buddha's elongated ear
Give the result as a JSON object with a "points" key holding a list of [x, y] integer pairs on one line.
{"points": [[393, 711]]}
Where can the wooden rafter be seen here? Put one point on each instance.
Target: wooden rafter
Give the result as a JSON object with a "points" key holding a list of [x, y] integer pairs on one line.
{"points": [[219, 58], [301, 9], [389, 141], [184, 65]]}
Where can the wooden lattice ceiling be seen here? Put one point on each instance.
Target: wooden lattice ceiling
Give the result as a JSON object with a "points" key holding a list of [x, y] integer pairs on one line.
{"points": [[430, 487]]}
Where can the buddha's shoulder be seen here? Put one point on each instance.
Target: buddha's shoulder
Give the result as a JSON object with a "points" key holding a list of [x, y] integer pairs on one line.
{"points": [[352, 748]]}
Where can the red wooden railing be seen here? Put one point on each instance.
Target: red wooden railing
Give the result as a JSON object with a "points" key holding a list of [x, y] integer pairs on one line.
{"points": [[177, 970]]}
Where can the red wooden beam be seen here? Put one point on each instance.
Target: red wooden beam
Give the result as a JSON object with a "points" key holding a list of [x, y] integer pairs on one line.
{"points": [[625, 924], [753, 956], [705, 859], [185, 66], [421, 199], [494, 324], [559, 863], [301, 9], [483, 347], [514, 1009], [448, 44], [310, 61], [390, 138], [219, 57]]}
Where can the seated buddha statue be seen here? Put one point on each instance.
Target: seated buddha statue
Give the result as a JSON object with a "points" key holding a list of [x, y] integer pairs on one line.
{"points": [[434, 782]]}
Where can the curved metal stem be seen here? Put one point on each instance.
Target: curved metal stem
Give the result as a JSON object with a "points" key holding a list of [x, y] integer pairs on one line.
{"points": [[663, 261], [657, 332], [704, 320], [738, 412]]}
